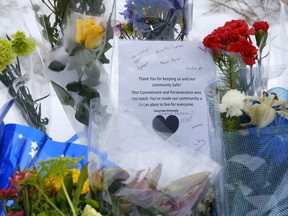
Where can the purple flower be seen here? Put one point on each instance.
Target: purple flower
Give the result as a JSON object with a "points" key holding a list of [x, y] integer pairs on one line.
{"points": [[137, 9]]}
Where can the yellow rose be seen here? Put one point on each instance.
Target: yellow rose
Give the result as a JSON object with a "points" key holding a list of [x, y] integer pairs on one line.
{"points": [[89, 32]]}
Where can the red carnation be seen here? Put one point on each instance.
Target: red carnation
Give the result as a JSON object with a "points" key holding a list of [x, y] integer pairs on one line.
{"points": [[240, 27], [260, 25], [247, 51]]}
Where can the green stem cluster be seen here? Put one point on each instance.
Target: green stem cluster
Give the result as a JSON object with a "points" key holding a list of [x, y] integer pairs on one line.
{"points": [[29, 107]]}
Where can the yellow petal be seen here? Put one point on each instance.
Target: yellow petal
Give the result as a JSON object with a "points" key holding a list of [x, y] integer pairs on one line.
{"points": [[79, 31], [93, 39], [89, 32]]}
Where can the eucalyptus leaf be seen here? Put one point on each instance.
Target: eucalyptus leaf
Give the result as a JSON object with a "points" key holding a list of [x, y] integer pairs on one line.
{"points": [[74, 86], [64, 97], [56, 66], [82, 114], [88, 93]]}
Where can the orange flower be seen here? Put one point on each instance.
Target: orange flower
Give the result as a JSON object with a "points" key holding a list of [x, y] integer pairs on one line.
{"points": [[89, 32]]}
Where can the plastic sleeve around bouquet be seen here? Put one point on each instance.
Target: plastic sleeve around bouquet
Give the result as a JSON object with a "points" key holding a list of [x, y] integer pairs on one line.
{"points": [[23, 79], [156, 20], [254, 162], [139, 169], [80, 59], [278, 49]]}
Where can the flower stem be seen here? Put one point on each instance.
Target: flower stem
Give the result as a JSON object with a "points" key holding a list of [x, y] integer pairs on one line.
{"points": [[50, 202], [68, 199]]}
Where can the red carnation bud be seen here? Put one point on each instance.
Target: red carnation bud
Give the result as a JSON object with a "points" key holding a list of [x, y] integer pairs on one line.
{"points": [[261, 33], [261, 25]]}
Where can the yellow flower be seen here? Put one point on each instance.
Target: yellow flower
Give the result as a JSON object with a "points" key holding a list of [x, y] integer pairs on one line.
{"points": [[6, 54], [75, 177], [89, 32], [55, 181]]}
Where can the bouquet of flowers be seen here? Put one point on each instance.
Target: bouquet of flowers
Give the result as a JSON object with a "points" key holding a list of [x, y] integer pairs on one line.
{"points": [[79, 34], [252, 142], [16, 73], [54, 186], [140, 173], [156, 20], [142, 195]]}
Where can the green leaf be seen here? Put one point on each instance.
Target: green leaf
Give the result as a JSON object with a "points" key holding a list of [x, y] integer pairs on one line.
{"points": [[81, 180], [108, 36], [82, 114], [92, 203], [74, 86], [56, 66], [104, 60], [64, 97], [88, 93]]}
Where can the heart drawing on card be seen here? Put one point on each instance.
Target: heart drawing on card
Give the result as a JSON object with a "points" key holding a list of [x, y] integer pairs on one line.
{"points": [[167, 126]]}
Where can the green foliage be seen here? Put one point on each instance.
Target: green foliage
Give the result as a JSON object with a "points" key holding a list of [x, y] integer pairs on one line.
{"points": [[53, 24], [230, 123], [91, 7], [64, 97], [42, 201], [56, 166], [82, 113], [231, 67], [56, 66]]}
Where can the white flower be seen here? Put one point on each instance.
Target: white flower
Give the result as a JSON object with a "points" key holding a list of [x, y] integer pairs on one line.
{"points": [[90, 211], [232, 103]]}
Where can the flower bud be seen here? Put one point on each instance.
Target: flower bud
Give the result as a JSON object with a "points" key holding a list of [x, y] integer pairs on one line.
{"points": [[261, 33]]}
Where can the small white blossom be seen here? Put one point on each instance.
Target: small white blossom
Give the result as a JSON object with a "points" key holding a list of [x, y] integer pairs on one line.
{"points": [[233, 103], [90, 211]]}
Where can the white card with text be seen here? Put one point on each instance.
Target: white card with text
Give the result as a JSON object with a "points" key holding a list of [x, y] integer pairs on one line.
{"points": [[162, 84]]}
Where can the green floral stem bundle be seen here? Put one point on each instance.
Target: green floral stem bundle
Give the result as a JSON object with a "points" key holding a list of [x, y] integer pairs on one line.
{"points": [[11, 76]]}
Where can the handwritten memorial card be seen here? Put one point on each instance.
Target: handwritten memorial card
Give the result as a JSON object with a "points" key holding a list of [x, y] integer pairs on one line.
{"points": [[162, 85]]}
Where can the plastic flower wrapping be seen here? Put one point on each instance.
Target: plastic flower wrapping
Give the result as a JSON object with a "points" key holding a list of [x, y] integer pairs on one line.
{"points": [[140, 173], [22, 78], [156, 20], [251, 143], [79, 34]]}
